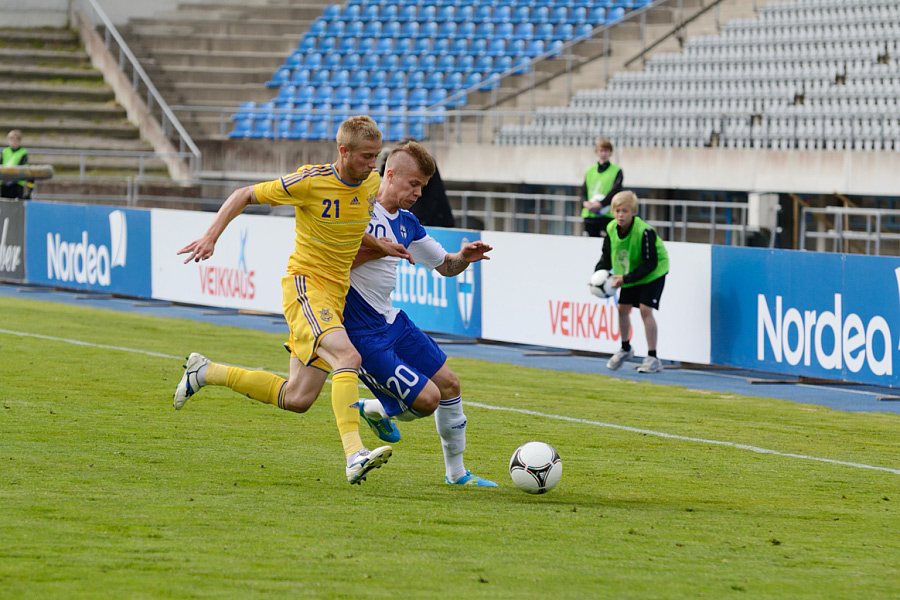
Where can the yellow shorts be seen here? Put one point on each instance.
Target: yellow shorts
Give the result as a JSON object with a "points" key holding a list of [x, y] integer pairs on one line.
{"points": [[312, 307]]}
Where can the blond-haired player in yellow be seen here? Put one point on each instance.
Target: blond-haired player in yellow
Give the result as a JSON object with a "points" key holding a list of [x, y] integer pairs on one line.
{"points": [[333, 204]]}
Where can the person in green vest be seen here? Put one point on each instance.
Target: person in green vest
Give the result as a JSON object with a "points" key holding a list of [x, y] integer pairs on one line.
{"points": [[601, 182], [15, 155], [638, 261]]}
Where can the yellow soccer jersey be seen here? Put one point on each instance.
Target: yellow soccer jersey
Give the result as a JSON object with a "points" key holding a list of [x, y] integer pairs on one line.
{"points": [[332, 217]]}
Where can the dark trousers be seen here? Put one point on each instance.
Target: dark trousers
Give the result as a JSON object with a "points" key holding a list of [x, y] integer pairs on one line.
{"points": [[596, 226]]}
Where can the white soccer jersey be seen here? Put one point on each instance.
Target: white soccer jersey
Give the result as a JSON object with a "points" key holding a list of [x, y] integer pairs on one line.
{"points": [[372, 283]]}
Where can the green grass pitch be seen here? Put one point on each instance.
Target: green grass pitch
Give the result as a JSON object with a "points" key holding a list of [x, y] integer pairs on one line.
{"points": [[107, 492]]}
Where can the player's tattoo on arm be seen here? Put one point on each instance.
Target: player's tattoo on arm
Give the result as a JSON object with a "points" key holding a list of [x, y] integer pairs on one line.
{"points": [[455, 264]]}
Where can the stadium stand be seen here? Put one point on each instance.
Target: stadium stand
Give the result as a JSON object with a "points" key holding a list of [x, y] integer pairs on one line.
{"points": [[458, 48], [806, 74]]}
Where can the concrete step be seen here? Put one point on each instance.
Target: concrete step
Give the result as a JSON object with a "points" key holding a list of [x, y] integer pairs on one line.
{"points": [[166, 59], [68, 126], [85, 110], [46, 58], [285, 44], [211, 75], [288, 12], [245, 27], [62, 92], [87, 142], [37, 36], [76, 74], [235, 93]]}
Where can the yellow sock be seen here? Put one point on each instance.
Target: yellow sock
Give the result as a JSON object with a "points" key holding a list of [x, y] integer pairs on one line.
{"points": [[257, 385], [344, 394]]}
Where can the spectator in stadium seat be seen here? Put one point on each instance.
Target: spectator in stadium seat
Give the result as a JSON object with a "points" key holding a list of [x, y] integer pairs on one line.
{"points": [[333, 205], [601, 182], [638, 261], [15, 155]]}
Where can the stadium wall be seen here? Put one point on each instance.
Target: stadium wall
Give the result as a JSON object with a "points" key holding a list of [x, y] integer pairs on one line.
{"points": [[800, 313], [34, 13]]}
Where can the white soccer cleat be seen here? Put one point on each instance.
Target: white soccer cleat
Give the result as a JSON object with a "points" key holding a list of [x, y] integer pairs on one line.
{"points": [[618, 358], [189, 384], [364, 461], [651, 364]]}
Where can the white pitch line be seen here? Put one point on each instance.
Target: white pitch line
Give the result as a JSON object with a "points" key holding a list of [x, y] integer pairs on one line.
{"points": [[682, 438], [660, 434]]}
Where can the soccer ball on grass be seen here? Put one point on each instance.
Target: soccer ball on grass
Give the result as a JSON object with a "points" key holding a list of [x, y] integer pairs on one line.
{"points": [[535, 467], [601, 284]]}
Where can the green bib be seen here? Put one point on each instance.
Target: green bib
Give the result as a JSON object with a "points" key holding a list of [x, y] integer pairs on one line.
{"points": [[626, 252], [599, 184], [13, 158]]}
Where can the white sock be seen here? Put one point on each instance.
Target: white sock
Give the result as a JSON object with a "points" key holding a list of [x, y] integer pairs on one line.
{"points": [[201, 374], [450, 422], [373, 408]]}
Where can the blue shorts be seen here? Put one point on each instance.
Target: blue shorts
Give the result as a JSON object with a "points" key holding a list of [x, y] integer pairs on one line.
{"points": [[397, 363]]}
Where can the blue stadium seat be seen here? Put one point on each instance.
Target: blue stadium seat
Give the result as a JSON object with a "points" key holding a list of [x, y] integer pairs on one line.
{"points": [[428, 12], [615, 15], [535, 48], [422, 46], [410, 29], [380, 95], [390, 62], [370, 13], [472, 80], [389, 13], [544, 31], [242, 128], [398, 97], [521, 14], [416, 130], [336, 28], [484, 30], [559, 14], [378, 78], [540, 14], [504, 31], [436, 96], [307, 43], [339, 78], [497, 47], [446, 63], [352, 62], [285, 94], [428, 62], [359, 78], [333, 12], [524, 31], [295, 60], [441, 46], [466, 30], [408, 13], [371, 62], [361, 95], [465, 63], [408, 62], [246, 111], [564, 32], [312, 61], [453, 81], [434, 80], [503, 64], [416, 79], [446, 12], [365, 46], [304, 94], [502, 14], [372, 29], [351, 12], [418, 97], [459, 46], [484, 64], [327, 45], [517, 48], [465, 13], [283, 129], [354, 30], [384, 46], [342, 94], [332, 62], [447, 29], [281, 77], [478, 46], [319, 130], [318, 28], [262, 129], [396, 79], [347, 44], [484, 13], [396, 132], [585, 29], [299, 129], [324, 94], [555, 47], [580, 14], [321, 77]]}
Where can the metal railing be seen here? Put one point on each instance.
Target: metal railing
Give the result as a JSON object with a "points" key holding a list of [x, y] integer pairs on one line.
{"points": [[140, 82], [852, 229], [713, 222]]}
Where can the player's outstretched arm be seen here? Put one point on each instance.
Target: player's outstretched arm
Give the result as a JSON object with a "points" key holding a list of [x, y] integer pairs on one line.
{"points": [[387, 248], [456, 262], [203, 248]]}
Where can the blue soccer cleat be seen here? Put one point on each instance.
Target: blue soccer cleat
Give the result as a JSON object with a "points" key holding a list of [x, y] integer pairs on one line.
{"points": [[469, 479], [383, 428]]}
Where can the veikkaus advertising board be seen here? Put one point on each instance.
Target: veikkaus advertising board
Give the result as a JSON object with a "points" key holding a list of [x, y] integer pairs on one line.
{"points": [[97, 248], [819, 315], [535, 292], [244, 272]]}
